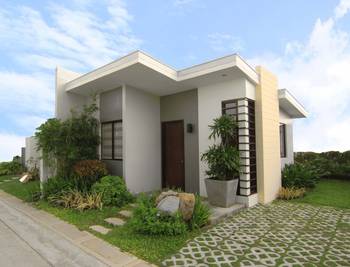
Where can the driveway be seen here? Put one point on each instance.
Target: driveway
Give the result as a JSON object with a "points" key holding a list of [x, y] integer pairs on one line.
{"points": [[25, 242], [279, 234]]}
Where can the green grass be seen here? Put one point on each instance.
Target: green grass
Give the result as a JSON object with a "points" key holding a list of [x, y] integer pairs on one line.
{"points": [[335, 193], [153, 249], [14, 187]]}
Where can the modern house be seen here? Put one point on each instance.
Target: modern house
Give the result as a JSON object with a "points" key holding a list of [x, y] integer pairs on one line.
{"points": [[154, 121]]}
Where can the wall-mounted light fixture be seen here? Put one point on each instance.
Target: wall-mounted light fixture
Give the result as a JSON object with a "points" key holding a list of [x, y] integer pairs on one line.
{"points": [[189, 127]]}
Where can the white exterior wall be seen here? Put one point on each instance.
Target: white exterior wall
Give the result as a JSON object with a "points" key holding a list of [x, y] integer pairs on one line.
{"points": [[288, 121], [209, 108], [141, 140], [65, 102], [32, 156]]}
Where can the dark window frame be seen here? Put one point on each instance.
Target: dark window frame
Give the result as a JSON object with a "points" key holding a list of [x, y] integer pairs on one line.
{"points": [[252, 143], [283, 140], [113, 137]]}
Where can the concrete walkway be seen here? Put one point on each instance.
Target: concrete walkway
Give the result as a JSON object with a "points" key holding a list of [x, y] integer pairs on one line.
{"points": [[31, 237]]}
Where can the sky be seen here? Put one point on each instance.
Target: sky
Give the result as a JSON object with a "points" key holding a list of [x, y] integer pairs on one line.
{"points": [[305, 43]]}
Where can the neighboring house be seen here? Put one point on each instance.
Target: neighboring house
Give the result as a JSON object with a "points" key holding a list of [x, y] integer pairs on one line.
{"points": [[154, 120]]}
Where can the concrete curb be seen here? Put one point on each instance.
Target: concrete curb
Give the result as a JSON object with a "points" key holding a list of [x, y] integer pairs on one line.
{"points": [[100, 249]]}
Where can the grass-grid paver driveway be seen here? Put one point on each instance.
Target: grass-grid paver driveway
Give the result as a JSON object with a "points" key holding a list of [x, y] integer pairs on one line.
{"points": [[279, 234]]}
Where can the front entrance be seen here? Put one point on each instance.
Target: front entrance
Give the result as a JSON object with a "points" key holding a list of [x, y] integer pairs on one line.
{"points": [[173, 156]]}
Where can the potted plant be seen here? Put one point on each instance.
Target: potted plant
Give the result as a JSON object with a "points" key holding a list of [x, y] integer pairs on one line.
{"points": [[223, 162]]}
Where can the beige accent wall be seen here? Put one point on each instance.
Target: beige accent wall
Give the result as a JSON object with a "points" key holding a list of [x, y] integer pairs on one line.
{"points": [[267, 136]]}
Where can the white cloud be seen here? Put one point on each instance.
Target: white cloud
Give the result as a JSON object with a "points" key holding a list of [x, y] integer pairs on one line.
{"points": [[223, 42], [342, 9], [181, 3], [317, 72], [74, 37], [78, 36], [26, 93], [10, 146]]}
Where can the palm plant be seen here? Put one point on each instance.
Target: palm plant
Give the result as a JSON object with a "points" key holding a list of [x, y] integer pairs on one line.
{"points": [[223, 158]]}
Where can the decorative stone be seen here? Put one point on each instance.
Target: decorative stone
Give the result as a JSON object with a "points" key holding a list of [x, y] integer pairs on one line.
{"points": [[25, 178], [115, 221], [100, 229], [169, 204], [165, 194], [125, 213], [186, 207]]}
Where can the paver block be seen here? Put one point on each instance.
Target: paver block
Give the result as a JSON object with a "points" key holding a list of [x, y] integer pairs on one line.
{"points": [[115, 221], [125, 213], [100, 229]]}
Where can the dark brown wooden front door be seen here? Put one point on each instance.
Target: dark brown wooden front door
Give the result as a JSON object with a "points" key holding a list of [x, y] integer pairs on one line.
{"points": [[173, 160]]}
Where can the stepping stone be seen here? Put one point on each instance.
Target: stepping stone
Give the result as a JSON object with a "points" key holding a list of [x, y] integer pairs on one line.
{"points": [[100, 229], [14, 178], [115, 221], [125, 213], [133, 205], [7, 180]]}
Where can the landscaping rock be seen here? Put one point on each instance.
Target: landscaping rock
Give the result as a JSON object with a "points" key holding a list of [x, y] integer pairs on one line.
{"points": [[125, 213], [115, 221], [169, 204], [166, 194], [186, 206], [100, 229], [25, 178]]}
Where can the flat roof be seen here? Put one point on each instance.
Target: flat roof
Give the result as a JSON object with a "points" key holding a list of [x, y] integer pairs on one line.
{"points": [[142, 70], [290, 104]]}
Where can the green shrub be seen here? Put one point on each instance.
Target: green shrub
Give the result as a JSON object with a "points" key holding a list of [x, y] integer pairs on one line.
{"points": [[64, 143], [88, 172], [149, 220], [114, 191], [201, 214], [298, 175], [56, 186], [12, 167], [330, 165]]}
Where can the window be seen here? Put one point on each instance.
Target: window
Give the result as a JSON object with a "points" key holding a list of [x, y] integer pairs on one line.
{"points": [[243, 111], [283, 140], [112, 140]]}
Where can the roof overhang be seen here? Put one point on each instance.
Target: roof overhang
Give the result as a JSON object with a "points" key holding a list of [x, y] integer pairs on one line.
{"points": [[144, 72], [290, 105]]}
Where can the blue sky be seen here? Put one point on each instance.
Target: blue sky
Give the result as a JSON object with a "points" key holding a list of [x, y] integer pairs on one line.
{"points": [[306, 43]]}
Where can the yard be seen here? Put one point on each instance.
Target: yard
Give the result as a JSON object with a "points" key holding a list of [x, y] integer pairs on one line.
{"points": [[150, 248], [283, 233]]}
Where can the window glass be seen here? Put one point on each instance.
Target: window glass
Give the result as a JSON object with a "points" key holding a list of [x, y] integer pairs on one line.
{"points": [[118, 140], [106, 132], [283, 140], [112, 140]]}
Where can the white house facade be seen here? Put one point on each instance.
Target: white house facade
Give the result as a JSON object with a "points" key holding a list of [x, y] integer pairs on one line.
{"points": [[154, 121]]}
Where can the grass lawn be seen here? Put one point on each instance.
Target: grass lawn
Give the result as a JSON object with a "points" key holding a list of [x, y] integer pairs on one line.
{"points": [[335, 193], [153, 249]]}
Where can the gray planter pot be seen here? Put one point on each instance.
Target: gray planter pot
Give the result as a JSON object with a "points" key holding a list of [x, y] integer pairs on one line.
{"points": [[221, 193]]}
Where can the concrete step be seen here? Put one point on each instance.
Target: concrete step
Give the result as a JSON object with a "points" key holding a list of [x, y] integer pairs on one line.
{"points": [[218, 213]]}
